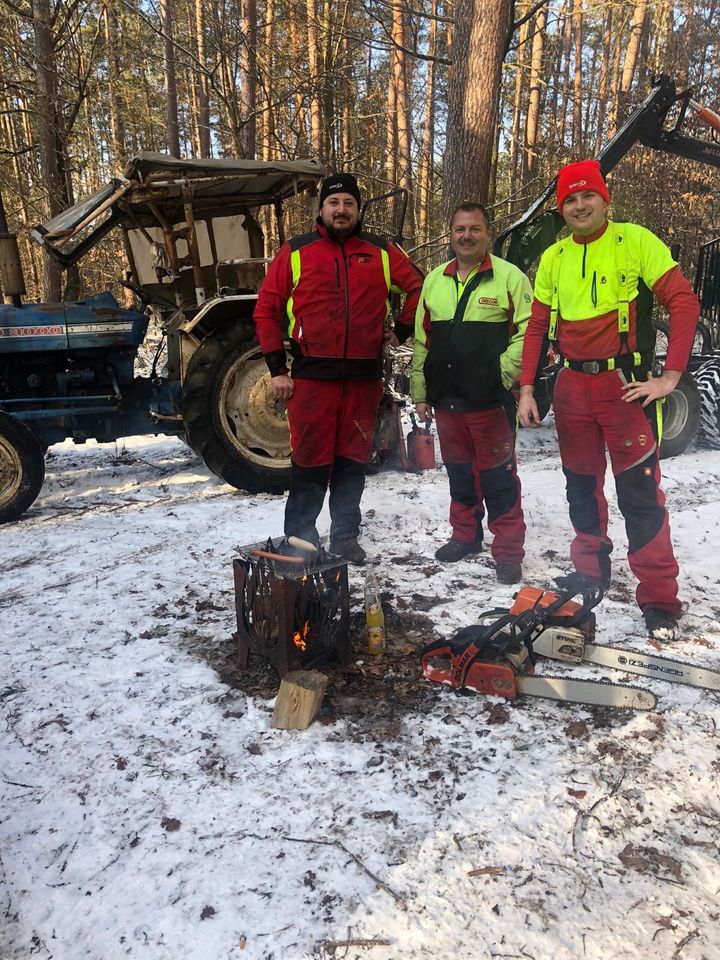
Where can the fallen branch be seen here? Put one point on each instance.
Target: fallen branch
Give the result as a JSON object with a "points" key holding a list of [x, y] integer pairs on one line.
{"points": [[335, 944], [336, 843]]}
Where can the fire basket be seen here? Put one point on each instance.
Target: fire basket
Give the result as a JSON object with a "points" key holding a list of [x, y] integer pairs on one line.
{"points": [[293, 614]]}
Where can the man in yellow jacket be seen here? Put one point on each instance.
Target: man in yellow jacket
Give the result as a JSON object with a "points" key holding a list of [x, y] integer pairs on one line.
{"points": [[469, 329], [593, 299]]}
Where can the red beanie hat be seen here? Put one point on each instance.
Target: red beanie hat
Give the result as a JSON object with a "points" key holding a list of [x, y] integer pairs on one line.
{"points": [[583, 175]]}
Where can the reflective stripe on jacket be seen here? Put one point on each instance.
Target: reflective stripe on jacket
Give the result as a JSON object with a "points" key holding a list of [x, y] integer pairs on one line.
{"points": [[592, 279], [330, 299]]}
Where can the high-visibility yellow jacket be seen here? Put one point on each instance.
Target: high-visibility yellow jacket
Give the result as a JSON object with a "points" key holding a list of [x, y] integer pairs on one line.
{"points": [[468, 336], [591, 281]]}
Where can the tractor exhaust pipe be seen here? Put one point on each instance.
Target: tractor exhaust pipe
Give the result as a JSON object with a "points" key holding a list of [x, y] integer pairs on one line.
{"points": [[11, 273]]}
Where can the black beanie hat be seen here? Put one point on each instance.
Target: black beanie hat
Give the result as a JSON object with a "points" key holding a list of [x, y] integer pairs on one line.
{"points": [[339, 183]]}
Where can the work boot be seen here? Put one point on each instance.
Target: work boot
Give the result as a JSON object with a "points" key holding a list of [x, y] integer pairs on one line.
{"points": [[661, 624], [455, 550], [349, 549], [508, 572]]}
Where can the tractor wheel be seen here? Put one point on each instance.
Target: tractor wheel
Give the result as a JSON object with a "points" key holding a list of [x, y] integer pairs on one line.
{"points": [[22, 468], [231, 418], [681, 417], [707, 378]]}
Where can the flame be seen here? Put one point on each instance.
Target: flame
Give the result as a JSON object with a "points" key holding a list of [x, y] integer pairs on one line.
{"points": [[337, 576], [300, 639]]}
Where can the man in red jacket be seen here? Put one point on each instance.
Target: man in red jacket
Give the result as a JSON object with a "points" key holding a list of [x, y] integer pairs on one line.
{"points": [[328, 292], [593, 299]]}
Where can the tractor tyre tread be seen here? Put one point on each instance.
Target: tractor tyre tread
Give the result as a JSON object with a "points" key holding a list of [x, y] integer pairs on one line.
{"points": [[32, 462], [708, 380], [201, 419]]}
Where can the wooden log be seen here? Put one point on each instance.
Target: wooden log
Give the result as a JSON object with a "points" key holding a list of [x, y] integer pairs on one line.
{"points": [[298, 700]]}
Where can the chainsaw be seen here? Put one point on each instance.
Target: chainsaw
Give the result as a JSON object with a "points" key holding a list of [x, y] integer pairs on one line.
{"points": [[498, 654]]}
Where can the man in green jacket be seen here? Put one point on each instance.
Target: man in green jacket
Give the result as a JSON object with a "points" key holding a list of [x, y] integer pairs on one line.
{"points": [[469, 329]]}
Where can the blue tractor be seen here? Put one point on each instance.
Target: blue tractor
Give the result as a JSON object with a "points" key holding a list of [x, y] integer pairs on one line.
{"points": [[196, 257]]}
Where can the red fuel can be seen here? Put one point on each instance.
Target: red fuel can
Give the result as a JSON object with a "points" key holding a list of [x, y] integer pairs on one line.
{"points": [[421, 448]]}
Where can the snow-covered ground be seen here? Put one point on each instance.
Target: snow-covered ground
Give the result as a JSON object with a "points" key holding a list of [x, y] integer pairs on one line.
{"points": [[149, 810]]}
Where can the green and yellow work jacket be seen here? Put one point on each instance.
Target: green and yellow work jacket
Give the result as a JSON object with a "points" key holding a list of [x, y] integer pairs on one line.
{"points": [[469, 335]]}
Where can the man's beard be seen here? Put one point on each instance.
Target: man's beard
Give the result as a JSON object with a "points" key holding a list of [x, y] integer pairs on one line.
{"points": [[342, 230]]}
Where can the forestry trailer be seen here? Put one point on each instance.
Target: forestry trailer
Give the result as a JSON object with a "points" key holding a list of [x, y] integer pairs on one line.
{"points": [[694, 406]]}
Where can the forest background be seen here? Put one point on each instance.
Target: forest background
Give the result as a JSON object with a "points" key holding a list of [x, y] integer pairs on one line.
{"points": [[451, 100]]}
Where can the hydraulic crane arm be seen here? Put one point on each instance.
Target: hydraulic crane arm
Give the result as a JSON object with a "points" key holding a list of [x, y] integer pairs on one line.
{"points": [[537, 229]]}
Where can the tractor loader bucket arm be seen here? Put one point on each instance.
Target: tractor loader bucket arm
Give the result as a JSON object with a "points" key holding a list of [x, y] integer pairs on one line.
{"points": [[524, 241]]}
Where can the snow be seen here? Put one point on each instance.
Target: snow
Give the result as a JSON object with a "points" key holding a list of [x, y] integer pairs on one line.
{"points": [[149, 810]]}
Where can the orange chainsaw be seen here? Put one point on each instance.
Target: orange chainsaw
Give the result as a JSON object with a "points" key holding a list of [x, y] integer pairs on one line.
{"points": [[498, 654]]}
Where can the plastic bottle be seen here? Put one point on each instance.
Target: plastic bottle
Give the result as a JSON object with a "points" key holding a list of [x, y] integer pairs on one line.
{"points": [[374, 616]]}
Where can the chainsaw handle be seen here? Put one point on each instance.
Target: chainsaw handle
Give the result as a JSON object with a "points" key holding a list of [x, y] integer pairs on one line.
{"points": [[434, 651]]}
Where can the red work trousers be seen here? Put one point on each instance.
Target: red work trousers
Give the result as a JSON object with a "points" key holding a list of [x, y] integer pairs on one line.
{"points": [[590, 414], [478, 450], [332, 418], [332, 428]]}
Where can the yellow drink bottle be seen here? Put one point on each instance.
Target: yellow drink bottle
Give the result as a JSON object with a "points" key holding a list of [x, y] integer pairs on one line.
{"points": [[374, 616]]}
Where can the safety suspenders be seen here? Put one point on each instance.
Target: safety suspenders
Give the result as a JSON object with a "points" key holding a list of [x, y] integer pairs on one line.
{"points": [[622, 282]]}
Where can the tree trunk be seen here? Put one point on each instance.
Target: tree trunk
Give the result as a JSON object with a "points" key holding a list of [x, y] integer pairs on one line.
{"points": [[171, 109], [399, 81], [46, 132], [316, 137], [300, 120], [391, 144], [201, 82], [116, 107], [518, 88], [603, 81], [425, 172], [577, 29], [248, 66], [566, 45], [533, 112], [479, 44], [633, 46]]}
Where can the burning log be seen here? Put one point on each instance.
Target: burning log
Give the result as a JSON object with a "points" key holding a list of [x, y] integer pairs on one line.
{"points": [[298, 700]]}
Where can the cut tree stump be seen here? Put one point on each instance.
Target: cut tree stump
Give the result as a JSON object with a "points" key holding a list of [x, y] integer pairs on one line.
{"points": [[298, 700]]}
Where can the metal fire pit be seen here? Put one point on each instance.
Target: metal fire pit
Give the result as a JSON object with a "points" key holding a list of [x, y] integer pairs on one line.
{"points": [[293, 615]]}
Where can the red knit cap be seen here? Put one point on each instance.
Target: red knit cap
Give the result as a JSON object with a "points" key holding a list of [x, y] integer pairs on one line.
{"points": [[583, 175]]}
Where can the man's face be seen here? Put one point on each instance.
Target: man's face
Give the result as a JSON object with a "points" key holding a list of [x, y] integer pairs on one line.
{"points": [[340, 213], [584, 212], [469, 236]]}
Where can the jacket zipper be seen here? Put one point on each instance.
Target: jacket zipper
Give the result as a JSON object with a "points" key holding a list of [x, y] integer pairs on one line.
{"points": [[347, 302]]}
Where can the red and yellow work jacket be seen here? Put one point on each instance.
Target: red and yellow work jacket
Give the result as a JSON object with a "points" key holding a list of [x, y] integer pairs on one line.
{"points": [[593, 297], [331, 300]]}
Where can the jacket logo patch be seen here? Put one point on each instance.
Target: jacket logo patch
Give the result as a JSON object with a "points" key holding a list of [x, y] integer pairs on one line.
{"points": [[361, 258], [488, 301], [647, 471], [642, 439]]}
